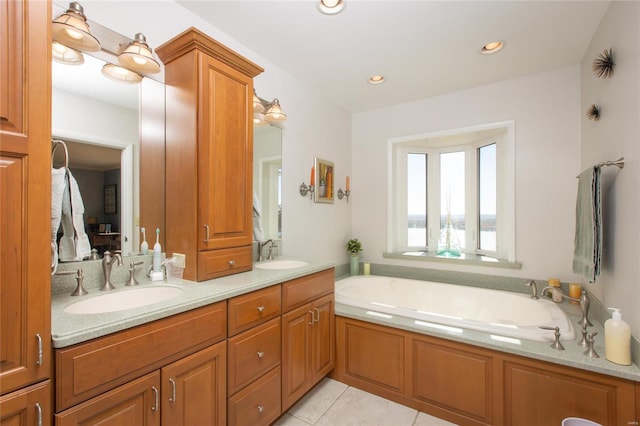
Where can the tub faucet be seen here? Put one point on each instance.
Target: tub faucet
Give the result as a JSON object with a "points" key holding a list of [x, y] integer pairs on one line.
{"points": [[107, 263], [534, 289], [584, 302], [261, 245]]}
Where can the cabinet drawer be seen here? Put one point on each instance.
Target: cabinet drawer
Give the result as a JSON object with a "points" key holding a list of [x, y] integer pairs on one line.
{"points": [[252, 353], [91, 368], [253, 308], [303, 290], [258, 403], [218, 263]]}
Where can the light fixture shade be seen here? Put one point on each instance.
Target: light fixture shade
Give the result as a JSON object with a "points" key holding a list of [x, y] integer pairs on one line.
{"points": [[72, 30], [258, 119], [66, 55], [138, 56], [275, 113], [257, 103], [121, 74]]}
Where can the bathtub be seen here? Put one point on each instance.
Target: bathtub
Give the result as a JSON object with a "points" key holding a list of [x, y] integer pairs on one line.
{"points": [[452, 308]]}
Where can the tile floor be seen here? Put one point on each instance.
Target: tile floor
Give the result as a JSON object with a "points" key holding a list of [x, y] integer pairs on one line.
{"points": [[332, 403]]}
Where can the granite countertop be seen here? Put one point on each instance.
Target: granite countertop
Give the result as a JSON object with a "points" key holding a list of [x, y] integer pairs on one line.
{"points": [[68, 329], [572, 356]]}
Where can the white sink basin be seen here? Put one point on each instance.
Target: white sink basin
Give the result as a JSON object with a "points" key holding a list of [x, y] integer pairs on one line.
{"points": [[119, 301], [281, 264]]}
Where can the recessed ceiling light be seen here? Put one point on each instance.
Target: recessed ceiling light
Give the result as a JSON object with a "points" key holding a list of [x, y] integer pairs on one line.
{"points": [[331, 7], [376, 79], [493, 47]]}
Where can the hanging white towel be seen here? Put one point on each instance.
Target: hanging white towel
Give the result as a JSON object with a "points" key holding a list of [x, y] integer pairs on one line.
{"points": [[258, 233], [58, 184], [587, 253], [82, 245]]}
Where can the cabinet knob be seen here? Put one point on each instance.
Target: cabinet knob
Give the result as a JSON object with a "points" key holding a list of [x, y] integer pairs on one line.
{"points": [[260, 354], [260, 308], [231, 263], [260, 408]]}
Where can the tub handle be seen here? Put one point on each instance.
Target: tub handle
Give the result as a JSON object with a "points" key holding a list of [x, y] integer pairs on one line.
{"points": [[313, 319]]}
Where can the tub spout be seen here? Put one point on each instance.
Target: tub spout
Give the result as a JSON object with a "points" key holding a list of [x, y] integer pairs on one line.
{"points": [[534, 289]]}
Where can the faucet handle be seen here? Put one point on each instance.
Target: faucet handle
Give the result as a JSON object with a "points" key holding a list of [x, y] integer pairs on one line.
{"points": [[79, 291], [591, 352], [556, 344], [132, 270]]}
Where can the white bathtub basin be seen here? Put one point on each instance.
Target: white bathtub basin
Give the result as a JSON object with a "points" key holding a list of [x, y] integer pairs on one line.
{"points": [[281, 264], [119, 301]]}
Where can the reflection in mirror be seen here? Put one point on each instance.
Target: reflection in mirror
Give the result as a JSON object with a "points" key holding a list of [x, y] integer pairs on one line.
{"points": [[98, 118], [267, 183]]}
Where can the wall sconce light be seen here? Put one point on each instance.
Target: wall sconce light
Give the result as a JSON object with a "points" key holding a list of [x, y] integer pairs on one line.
{"points": [[272, 111], [72, 30], [71, 36], [309, 189], [138, 57], [346, 193], [66, 55]]}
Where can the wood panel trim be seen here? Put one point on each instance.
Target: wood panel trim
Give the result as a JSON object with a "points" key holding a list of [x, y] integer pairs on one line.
{"points": [[193, 38]]}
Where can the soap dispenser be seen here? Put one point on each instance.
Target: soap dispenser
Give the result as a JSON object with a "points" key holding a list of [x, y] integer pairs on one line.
{"points": [[617, 339]]}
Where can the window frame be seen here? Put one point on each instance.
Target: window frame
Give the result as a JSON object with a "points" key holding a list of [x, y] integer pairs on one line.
{"points": [[433, 144]]}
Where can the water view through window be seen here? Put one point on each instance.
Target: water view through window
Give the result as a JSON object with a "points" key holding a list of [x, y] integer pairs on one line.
{"points": [[417, 200]]}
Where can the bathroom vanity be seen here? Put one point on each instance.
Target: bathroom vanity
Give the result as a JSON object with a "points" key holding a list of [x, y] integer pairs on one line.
{"points": [[235, 350]]}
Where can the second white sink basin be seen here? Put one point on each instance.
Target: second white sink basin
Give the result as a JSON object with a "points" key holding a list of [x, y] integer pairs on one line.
{"points": [[119, 301], [281, 264]]}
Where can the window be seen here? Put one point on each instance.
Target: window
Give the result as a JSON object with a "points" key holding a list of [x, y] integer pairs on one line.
{"points": [[452, 194]]}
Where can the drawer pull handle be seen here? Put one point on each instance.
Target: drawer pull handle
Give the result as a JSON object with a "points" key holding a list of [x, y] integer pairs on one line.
{"points": [[313, 318], [317, 319], [172, 398], [260, 308], [231, 263], [39, 339], [260, 408], [206, 233], [39, 414], [260, 354], [155, 398]]}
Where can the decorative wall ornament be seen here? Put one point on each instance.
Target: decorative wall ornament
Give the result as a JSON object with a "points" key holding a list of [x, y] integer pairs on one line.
{"points": [[593, 112], [603, 64]]}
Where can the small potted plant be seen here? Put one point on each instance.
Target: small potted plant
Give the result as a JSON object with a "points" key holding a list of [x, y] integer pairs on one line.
{"points": [[354, 247]]}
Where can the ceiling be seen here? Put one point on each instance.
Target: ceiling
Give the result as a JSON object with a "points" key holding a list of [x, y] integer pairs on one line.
{"points": [[423, 48]]}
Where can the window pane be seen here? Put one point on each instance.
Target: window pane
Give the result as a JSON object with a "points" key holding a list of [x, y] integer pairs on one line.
{"points": [[452, 203], [487, 194], [417, 200]]}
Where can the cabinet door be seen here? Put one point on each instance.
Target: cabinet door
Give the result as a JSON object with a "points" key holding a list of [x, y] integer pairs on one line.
{"points": [[194, 388], [25, 193], [134, 403], [296, 339], [225, 156], [28, 406], [559, 393], [323, 354]]}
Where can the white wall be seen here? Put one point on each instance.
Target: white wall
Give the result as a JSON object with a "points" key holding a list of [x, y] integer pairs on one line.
{"points": [[616, 134], [545, 108], [314, 126]]}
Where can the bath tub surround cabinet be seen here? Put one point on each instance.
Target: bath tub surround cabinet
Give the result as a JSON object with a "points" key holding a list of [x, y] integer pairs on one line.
{"points": [[209, 155], [470, 385], [25, 174]]}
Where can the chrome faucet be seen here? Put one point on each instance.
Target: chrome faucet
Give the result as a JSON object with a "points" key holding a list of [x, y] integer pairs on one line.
{"points": [[261, 245], [583, 300], [107, 263], [534, 289]]}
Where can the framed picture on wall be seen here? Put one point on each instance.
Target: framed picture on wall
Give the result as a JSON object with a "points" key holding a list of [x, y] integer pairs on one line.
{"points": [[110, 199], [325, 190]]}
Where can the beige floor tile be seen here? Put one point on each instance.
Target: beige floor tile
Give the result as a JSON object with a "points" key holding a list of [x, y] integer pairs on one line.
{"points": [[289, 420], [355, 407], [314, 404], [425, 419]]}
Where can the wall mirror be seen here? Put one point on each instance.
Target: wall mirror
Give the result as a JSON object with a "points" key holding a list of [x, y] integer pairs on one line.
{"points": [[267, 183]]}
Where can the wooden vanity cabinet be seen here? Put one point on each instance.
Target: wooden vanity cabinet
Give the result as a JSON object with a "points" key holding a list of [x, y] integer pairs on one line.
{"points": [[25, 191], [254, 357], [209, 155], [308, 334]]}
